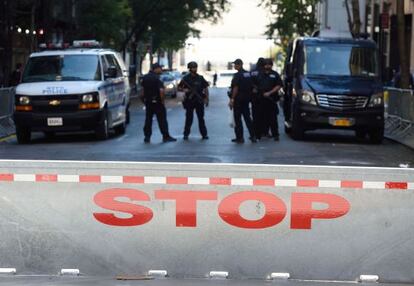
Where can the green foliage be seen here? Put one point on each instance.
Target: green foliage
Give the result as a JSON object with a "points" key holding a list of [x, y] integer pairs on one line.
{"points": [[290, 18], [169, 22], [103, 20]]}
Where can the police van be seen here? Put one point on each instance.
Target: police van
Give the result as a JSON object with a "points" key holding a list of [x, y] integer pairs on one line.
{"points": [[78, 88]]}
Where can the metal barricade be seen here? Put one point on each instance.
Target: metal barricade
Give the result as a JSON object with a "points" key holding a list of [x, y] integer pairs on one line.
{"points": [[399, 114], [6, 111]]}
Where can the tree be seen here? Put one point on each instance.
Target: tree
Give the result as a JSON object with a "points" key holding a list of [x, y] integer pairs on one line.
{"points": [[291, 18], [166, 24], [354, 21], [404, 65], [104, 20]]}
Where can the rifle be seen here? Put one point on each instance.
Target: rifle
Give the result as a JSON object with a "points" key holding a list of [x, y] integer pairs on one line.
{"points": [[193, 93]]}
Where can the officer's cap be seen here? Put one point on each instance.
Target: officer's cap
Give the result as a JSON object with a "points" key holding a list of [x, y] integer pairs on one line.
{"points": [[192, 65], [238, 62]]}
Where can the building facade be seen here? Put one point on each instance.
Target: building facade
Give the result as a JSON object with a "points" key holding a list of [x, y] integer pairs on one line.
{"points": [[379, 21], [26, 24]]}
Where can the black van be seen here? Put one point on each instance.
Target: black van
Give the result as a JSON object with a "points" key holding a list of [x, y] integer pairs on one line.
{"points": [[333, 83]]}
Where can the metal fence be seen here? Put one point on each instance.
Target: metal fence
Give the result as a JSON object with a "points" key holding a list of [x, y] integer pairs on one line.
{"points": [[399, 114], [6, 111]]}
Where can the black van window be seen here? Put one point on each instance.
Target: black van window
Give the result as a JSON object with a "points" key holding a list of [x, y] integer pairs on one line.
{"points": [[340, 60]]}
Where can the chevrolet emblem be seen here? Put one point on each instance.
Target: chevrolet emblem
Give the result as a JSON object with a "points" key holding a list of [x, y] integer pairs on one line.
{"points": [[54, 102]]}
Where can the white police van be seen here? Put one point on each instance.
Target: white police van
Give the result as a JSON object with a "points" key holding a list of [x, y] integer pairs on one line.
{"points": [[81, 88]]}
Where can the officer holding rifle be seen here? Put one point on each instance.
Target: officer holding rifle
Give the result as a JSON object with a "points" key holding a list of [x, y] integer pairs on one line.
{"points": [[268, 84], [196, 97]]}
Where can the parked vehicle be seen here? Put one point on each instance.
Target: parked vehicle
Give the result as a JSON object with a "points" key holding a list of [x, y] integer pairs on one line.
{"points": [[83, 88], [170, 84], [334, 83]]}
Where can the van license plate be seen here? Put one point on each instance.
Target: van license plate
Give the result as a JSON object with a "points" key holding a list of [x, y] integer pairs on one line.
{"points": [[341, 122], [55, 121]]}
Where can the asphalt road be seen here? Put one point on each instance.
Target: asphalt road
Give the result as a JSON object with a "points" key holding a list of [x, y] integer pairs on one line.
{"points": [[338, 148]]}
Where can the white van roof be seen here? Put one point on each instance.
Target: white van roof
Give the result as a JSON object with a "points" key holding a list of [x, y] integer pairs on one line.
{"points": [[70, 52]]}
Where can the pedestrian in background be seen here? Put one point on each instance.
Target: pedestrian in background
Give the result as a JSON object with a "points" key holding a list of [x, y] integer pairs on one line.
{"points": [[152, 93], [241, 96], [16, 75], [269, 83], [196, 97], [215, 76]]}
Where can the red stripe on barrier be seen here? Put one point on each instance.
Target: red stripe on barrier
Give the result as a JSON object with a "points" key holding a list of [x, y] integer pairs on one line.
{"points": [[177, 181], [133, 180], [46, 178], [307, 183], [220, 181], [89, 179], [263, 182], [6, 177], [352, 184], [396, 185]]}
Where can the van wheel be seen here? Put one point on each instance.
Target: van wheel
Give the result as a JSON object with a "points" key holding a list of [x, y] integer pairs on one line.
{"points": [[127, 115], [120, 129], [377, 136], [23, 135], [360, 134], [297, 130], [102, 131], [49, 134]]}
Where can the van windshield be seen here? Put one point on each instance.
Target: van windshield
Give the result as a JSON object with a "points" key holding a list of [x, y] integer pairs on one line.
{"points": [[340, 60], [62, 68]]}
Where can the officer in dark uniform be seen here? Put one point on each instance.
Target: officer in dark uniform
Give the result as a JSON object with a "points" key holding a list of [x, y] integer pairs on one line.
{"points": [[269, 83], [241, 96], [152, 94], [196, 97], [257, 125]]}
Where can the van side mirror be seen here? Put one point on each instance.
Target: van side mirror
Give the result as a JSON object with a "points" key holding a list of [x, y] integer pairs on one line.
{"points": [[111, 72], [289, 71]]}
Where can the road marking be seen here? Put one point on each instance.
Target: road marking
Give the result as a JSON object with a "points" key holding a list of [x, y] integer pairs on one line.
{"points": [[4, 139]]}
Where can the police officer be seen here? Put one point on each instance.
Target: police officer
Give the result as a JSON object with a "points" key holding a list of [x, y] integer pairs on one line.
{"points": [[269, 83], [196, 97], [152, 94], [257, 125], [241, 96]]}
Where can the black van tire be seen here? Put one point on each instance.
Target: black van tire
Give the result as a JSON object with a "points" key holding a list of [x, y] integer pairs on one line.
{"points": [[376, 136], [23, 135], [49, 134], [360, 134], [297, 131], [121, 128], [127, 115], [102, 131]]}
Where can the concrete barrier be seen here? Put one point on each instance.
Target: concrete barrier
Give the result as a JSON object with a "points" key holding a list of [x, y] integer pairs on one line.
{"points": [[192, 220]]}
